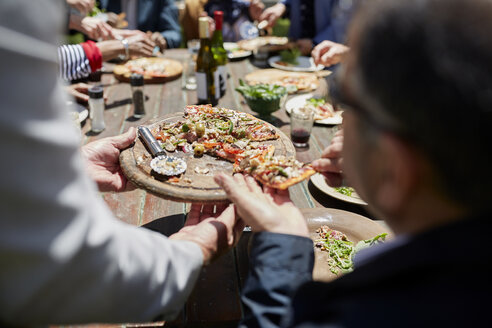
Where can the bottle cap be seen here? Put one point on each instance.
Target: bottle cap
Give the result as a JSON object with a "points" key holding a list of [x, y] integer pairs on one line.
{"points": [[219, 17], [96, 92], [136, 80], [203, 27]]}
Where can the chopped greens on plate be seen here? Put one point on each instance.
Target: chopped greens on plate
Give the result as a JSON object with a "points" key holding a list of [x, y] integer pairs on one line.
{"points": [[348, 191], [315, 101], [261, 91], [341, 250], [290, 56]]}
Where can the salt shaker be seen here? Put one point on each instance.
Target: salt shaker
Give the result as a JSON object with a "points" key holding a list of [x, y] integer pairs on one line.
{"points": [[96, 106], [137, 83]]}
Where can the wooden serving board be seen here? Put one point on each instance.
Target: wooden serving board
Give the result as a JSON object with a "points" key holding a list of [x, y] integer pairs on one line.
{"points": [[174, 69], [135, 163], [272, 75]]}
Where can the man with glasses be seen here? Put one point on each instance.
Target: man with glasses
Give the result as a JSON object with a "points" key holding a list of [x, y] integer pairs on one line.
{"points": [[417, 89]]}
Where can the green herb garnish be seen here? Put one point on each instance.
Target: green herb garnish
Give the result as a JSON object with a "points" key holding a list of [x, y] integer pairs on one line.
{"points": [[290, 56], [345, 190], [261, 91], [316, 101]]}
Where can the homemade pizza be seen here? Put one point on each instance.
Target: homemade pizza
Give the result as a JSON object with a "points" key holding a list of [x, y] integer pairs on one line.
{"points": [[235, 137], [153, 69], [295, 82]]}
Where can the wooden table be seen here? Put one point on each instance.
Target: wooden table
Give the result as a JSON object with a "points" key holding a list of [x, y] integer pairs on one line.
{"points": [[215, 299]]}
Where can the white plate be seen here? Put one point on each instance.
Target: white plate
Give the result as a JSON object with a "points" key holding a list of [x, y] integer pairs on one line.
{"points": [[320, 182], [299, 101], [235, 52], [306, 64], [81, 110]]}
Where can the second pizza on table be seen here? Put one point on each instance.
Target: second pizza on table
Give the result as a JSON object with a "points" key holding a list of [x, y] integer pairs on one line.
{"points": [[153, 69], [295, 82]]}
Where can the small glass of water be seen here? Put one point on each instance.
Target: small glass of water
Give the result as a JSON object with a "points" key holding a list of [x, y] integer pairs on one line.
{"points": [[301, 125], [189, 65]]}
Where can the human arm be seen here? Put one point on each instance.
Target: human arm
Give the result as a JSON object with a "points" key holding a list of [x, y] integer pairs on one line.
{"points": [[168, 24], [329, 53], [330, 163], [64, 257], [272, 14], [93, 27], [79, 60], [74, 63], [83, 6], [256, 8], [281, 256], [138, 45]]}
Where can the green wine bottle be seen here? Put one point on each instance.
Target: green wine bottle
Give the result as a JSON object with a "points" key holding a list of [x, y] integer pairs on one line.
{"points": [[206, 66], [220, 55]]}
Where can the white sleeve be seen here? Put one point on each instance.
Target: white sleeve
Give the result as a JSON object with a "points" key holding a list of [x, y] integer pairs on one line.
{"points": [[64, 258]]}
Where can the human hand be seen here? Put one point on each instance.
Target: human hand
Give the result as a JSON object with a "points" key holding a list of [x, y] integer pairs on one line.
{"points": [[79, 91], [96, 29], [215, 233], [158, 39], [305, 46], [329, 53], [211, 22], [264, 210], [272, 14], [112, 19], [140, 45], [255, 9], [83, 6], [330, 163], [103, 164]]}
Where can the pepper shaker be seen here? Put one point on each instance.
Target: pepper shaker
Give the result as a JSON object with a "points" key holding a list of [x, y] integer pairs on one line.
{"points": [[96, 106], [137, 83]]}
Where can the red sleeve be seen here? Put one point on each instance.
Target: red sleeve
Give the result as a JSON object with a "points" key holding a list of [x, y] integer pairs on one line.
{"points": [[93, 54]]}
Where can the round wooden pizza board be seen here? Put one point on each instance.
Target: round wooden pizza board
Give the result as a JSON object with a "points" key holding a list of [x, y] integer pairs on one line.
{"points": [[201, 188], [271, 75], [173, 68]]}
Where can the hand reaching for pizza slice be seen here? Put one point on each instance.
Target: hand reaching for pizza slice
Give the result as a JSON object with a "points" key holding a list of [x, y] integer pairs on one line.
{"points": [[264, 209]]}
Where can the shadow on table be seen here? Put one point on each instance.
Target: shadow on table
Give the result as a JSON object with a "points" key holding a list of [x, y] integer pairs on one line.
{"points": [[167, 225], [118, 103], [328, 201], [214, 301]]}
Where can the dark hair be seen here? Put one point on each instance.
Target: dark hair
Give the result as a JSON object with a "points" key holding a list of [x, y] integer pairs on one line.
{"points": [[428, 64]]}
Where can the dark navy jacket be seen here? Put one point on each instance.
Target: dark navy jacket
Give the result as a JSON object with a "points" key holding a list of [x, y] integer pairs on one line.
{"points": [[442, 278], [153, 15], [331, 18]]}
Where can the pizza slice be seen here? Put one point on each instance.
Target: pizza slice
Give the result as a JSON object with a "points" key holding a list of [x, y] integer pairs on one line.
{"points": [[276, 172], [320, 108]]}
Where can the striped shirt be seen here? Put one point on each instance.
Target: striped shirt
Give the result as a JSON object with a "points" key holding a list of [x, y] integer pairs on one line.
{"points": [[74, 64]]}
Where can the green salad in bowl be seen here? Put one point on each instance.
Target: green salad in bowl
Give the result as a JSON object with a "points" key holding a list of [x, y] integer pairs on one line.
{"points": [[263, 99]]}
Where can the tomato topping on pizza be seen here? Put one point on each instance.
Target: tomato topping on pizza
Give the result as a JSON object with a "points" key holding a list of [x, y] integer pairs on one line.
{"points": [[235, 137]]}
